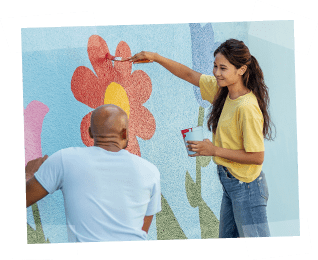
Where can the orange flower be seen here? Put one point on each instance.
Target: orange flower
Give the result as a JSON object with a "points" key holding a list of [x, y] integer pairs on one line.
{"points": [[114, 85]]}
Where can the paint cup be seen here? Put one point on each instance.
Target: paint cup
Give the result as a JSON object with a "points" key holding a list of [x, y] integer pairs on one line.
{"points": [[192, 134]]}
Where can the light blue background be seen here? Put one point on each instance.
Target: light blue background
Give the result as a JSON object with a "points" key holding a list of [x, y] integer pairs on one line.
{"points": [[51, 55]]}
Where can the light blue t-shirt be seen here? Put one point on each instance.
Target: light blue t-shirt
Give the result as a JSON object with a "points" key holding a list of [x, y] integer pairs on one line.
{"points": [[106, 194]]}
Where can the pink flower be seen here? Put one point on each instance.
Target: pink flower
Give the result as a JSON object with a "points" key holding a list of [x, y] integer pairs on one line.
{"points": [[33, 119]]}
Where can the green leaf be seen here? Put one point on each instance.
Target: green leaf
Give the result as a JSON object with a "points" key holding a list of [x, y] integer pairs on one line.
{"points": [[208, 222], [204, 161], [36, 236], [168, 227], [193, 191]]}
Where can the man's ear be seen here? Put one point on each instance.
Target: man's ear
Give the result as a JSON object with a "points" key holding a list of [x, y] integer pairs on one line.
{"points": [[90, 132], [124, 134]]}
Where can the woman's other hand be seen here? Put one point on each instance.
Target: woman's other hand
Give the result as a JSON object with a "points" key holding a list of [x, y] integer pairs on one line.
{"points": [[201, 148]]}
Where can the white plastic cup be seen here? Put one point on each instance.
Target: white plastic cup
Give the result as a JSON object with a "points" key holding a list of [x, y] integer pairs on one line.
{"points": [[192, 134]]}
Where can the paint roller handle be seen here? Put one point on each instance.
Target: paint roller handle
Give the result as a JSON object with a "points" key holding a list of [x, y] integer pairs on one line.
{"points": [[174, 67]]}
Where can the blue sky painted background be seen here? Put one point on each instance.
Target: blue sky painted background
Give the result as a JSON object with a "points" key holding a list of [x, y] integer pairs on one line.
{"points": [[51, 55]]}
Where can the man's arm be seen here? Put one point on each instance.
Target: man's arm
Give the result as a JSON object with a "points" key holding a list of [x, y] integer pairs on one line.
{"points": [[147, 223], [34, 192], [33, 166]]}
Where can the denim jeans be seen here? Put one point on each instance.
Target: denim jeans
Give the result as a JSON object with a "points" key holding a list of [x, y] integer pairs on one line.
{"points": [[243, 208]]}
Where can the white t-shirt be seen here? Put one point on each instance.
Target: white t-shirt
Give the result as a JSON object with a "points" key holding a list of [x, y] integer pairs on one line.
{"points": [[106, 194]]}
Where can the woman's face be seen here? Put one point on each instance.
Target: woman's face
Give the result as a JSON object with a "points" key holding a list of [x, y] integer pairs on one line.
{"points": [[226, 73]]}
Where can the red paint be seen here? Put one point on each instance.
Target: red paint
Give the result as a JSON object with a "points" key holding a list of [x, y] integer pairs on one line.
{"points": [[109, 56], [184, 131], [89, 89], [86, 122]]}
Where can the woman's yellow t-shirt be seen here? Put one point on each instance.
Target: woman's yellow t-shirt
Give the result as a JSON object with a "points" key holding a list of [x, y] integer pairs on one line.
{"points": [[240, 126]]}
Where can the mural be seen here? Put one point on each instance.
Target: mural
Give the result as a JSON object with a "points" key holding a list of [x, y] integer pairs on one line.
{"points": [[66, 69], [114, 85], [33, 118], [203, 46]]}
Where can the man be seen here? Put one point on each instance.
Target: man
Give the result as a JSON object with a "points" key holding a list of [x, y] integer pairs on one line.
{"points": [[109, 194]]}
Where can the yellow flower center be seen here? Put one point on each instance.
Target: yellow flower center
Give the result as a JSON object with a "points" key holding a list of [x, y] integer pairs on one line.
{"points": [[115, 94]]}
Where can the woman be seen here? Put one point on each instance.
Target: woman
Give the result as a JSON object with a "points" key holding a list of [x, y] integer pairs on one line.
{"points": [[239, 121]]}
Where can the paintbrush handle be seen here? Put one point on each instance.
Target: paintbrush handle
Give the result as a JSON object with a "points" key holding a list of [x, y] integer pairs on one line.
{"points": [[143, 61], [114, 58]]}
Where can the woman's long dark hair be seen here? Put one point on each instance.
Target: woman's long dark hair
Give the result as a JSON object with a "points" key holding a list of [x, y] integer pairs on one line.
{"points": [[237, 53]]}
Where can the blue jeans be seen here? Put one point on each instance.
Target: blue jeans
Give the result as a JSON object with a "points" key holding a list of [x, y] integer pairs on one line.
{"points": [[243, 208]]}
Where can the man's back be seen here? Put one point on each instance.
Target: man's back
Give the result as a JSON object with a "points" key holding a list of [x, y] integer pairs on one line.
{"points": [[106, 194]]}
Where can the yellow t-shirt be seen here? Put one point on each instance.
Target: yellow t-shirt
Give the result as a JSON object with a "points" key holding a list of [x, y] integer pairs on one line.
{"points": [[240, 126]]}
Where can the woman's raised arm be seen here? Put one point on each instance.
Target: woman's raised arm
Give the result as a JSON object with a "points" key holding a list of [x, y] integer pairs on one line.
{"points": [[174, 67]]}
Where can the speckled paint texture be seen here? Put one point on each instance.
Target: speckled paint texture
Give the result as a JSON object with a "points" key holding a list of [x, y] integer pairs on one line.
{"points": [[114, 84], [66, 76], [33, 119]]}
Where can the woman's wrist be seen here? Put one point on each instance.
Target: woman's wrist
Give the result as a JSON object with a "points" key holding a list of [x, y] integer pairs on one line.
{"points": [[215, 150], [156, 57]]}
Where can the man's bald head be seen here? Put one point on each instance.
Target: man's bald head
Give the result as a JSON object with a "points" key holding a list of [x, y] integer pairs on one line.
{"points": [[109, 122]]}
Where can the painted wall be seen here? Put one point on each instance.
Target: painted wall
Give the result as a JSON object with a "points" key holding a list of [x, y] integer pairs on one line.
{"points": [[65, 77]]}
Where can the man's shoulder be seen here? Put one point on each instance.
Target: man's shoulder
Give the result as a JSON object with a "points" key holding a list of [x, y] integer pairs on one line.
{"points": [[139, 159], [74, 149], [73, 152], [142, 162]]}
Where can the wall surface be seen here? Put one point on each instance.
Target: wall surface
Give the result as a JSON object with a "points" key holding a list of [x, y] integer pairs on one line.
{"points": [[64, 79]]}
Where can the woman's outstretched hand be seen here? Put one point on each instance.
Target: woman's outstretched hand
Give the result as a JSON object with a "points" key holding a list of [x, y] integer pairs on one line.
{"points": [[174, 67], [144, 56], [201, 148]]}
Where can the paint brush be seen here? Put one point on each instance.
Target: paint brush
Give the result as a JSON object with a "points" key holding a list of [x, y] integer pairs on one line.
{"points": [[114, 58], [143, 61]]}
